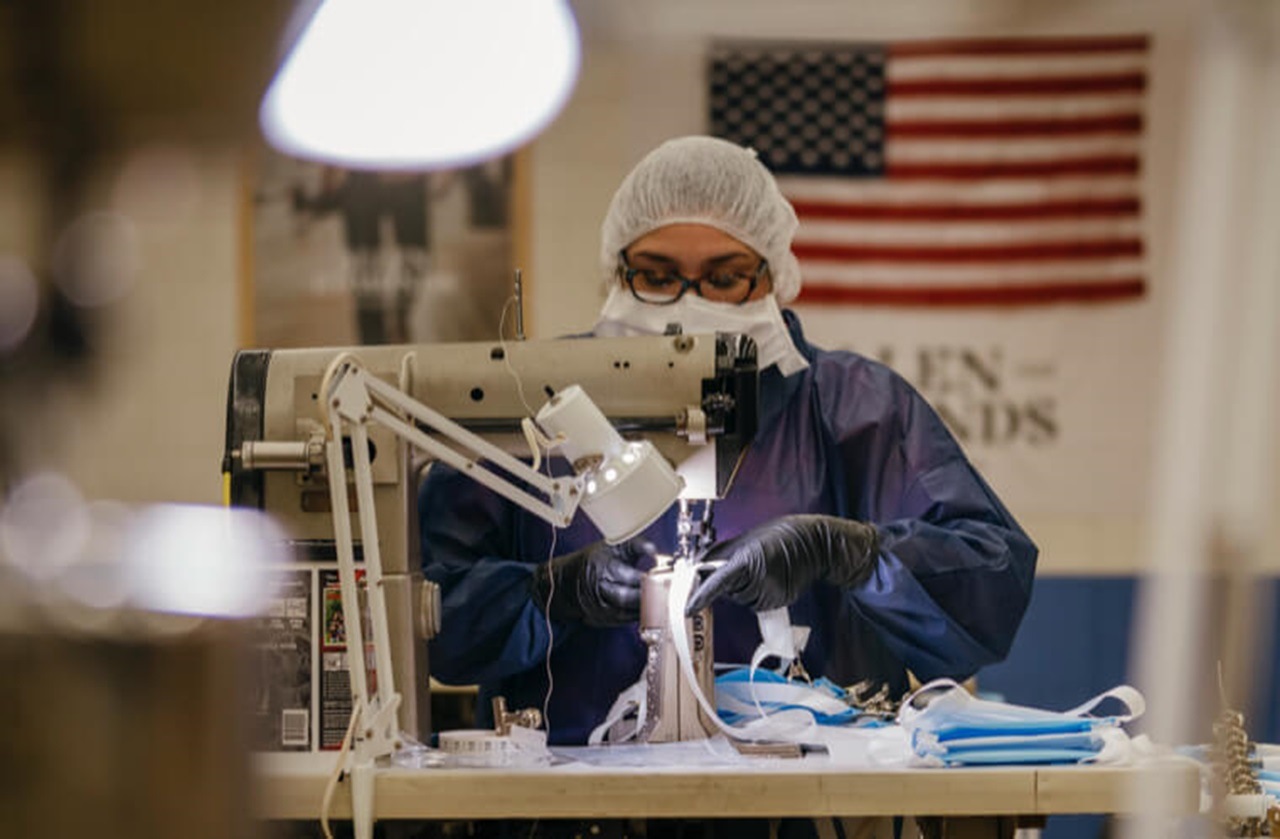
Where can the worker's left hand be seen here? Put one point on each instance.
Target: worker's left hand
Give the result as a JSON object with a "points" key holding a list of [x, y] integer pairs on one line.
{"points": [[770, 566]]}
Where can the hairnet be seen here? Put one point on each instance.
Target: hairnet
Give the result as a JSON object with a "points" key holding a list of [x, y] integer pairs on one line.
{"points": [[704, 180]]}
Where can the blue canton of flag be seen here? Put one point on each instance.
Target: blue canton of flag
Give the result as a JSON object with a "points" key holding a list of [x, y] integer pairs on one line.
{"points": [[805, 111]]}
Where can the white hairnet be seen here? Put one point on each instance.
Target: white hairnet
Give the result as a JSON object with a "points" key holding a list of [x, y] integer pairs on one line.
{"points": [[704, 180]]}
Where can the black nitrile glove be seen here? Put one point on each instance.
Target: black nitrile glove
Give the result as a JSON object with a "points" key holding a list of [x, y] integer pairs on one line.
{"points": [[598, 585], [770, 566]]}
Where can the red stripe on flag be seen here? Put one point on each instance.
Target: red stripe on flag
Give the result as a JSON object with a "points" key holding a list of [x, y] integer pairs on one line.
{"points": [[1118, 164], [970, 253], [1083, 208], [1019, 46], [1012, 295], [1100, 83], [1119, 123]]}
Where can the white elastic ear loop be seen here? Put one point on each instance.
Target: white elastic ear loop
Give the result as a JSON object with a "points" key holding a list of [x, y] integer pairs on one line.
{"points": [[908, 712], [1130, 696], [956, 695], [633, 698], [777, 639]]}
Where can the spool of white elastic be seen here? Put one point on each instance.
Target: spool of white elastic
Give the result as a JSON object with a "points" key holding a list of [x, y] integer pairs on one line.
{"points": [[483, 747], [478, 746]]}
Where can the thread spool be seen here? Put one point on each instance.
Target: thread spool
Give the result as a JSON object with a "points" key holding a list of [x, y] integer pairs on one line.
{"points": [[479, 747]]}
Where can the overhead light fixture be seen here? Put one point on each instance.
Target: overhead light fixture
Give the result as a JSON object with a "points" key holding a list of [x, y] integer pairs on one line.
{"points": [[421, 84]]}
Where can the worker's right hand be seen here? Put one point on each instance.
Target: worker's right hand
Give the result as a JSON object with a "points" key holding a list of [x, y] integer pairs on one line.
{"points": [[598, 585]]}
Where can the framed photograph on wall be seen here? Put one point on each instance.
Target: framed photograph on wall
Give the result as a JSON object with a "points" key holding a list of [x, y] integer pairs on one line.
{"points": [[344, 257]]}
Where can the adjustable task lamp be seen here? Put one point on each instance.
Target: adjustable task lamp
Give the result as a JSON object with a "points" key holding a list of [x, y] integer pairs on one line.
{"points": [[421, 84], [621, 486]]}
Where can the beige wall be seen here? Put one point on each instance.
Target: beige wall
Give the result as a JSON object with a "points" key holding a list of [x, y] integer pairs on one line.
{"points": [[164, 373], [148, 425]]}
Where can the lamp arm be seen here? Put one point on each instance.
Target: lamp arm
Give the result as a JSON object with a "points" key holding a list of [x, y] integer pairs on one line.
{"points": [[374, 728], [361, 397], [353, 399]]}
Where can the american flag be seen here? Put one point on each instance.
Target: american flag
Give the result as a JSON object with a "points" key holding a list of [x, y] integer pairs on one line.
{"points": [[950, 172]]}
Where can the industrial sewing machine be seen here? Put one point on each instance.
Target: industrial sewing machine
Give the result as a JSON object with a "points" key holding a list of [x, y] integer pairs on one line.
{"points": [[692, 396]]}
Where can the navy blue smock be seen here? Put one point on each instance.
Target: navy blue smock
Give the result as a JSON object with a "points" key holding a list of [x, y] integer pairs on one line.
{"points": [[846, 437]]}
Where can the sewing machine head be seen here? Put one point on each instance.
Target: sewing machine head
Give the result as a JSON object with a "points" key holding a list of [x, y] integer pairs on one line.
{"points": [[692, 396]]}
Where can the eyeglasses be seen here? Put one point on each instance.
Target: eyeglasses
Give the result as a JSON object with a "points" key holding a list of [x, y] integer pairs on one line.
{"points": [[662, 286]]}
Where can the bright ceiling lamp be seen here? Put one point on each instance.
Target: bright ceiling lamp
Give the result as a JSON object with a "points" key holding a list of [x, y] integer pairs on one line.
{"points": [[421, 84]]}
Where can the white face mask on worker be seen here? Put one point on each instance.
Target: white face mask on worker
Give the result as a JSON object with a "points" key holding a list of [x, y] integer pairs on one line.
{"points": [[623, 315]]}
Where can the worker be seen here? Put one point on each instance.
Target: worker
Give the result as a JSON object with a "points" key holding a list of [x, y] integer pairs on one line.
{"points": [[854, 505]]}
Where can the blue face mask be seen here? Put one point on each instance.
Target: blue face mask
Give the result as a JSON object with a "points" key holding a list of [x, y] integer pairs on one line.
{"points": [[742, 697], [947, 726]]}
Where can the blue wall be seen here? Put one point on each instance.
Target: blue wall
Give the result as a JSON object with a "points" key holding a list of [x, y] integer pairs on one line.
{"points": [[1074, 643]]}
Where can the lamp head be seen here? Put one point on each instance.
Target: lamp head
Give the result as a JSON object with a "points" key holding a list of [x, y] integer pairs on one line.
{"points": [[626, 486]]}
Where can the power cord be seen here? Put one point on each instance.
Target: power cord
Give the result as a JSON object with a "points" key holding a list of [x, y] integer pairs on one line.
{"points": [[535, 439], [326, 803]]}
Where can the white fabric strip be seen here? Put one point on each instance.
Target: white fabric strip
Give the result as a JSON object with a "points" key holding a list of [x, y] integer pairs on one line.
{"points": [[931, 234], [933, 275], [780, 639], [958, 67], [933, 150], [944, 191], [682, 578], [1011, 107], [793, 725]]}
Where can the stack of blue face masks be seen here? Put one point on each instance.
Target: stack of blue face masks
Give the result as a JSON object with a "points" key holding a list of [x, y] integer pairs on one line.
{"points": [[946, 726]]}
